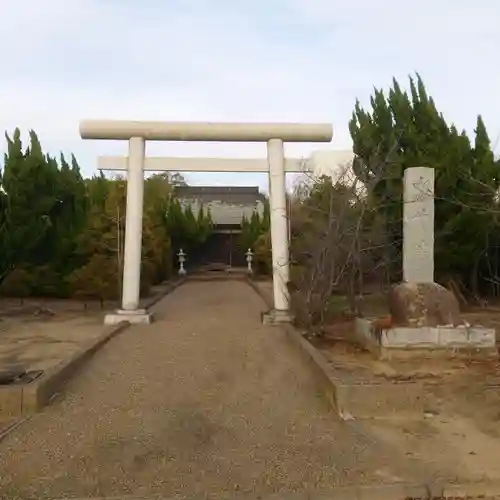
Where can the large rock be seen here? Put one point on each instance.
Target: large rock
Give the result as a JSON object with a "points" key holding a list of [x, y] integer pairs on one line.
{"points": [[423, 304]]}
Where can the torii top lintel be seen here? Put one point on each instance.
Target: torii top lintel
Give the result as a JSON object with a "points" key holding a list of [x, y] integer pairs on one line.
{"points": [[205, 131]]}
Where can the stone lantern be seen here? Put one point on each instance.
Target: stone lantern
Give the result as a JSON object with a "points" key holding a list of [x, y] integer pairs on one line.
{"points": [[182, 258], [249, 256]]}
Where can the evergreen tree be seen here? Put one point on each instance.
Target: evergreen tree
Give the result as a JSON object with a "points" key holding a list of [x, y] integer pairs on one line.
{"points": [[176, 224], [266, 217], [251, 230], [61, 234], [204, 225], [406, 130], [157, 250], [245, 239], [190, 234], [255, 227], [210, 222], [29, 183]]}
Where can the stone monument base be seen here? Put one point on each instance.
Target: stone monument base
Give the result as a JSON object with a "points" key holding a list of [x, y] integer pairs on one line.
{"points": [[409, 341], [423, 304], [274, 317], [140, 316]]}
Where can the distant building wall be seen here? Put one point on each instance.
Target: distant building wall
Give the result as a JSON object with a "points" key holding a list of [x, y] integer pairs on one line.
{"points": [[227, 205]]}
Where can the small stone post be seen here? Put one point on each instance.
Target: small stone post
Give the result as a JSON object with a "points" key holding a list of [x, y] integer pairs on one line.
{"points": [[182, 259], [249, 256]]}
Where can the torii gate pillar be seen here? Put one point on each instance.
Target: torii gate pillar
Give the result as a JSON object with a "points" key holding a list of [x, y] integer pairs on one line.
{"points": [[133, 228], [274, 134]]}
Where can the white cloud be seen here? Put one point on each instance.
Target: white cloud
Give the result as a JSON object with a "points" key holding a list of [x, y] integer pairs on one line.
{"points": [[276, 60]]}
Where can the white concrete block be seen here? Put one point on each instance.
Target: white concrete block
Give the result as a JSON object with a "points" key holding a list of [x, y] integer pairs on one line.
{"points": [[452, 337], [409, 338], [482, 337]]}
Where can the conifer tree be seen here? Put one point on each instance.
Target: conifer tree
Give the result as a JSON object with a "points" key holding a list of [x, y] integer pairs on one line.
{"points": [[405, 130]]}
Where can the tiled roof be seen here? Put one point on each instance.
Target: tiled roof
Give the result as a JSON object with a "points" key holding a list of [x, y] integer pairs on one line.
{"points": [[238, 195]]}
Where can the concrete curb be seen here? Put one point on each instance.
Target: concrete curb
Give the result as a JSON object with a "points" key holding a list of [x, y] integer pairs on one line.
{"points": [[39, 393], [309, 353], [31, 398], [347, 399], [150, 302]]}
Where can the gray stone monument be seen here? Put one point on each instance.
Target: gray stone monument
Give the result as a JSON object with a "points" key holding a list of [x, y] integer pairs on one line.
{"points": [[418, 301], [418, 225], [424, 315]]}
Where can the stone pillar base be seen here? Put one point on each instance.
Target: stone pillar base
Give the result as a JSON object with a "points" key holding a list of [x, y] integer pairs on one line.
{"points": [[425, 341], [139, 316], [275, 317]]}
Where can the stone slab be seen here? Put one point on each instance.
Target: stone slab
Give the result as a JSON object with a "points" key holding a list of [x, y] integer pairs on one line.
{"points": [[384, 342]]}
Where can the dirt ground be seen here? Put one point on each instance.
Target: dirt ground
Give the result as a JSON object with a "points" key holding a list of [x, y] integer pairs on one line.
{"points": [[461, 426], [36, 334], [39, 334]]}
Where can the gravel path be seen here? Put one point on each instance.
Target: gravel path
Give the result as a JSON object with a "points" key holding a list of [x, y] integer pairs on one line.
{"points": [[206, 401]]}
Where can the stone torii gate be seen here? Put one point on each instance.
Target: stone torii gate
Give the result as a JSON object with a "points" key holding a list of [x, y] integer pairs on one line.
{"points": [[137, 133]]}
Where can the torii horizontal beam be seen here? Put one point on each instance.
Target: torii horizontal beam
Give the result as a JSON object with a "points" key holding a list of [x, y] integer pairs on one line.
{"points": [[249, 165], [205, 131]]}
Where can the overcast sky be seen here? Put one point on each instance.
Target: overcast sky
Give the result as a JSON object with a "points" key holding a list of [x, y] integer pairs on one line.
{"points": [[236, 60]]}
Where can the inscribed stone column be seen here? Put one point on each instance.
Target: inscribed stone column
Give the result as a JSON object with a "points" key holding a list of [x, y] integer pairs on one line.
{"points": [[279, 226], [418, 225]]}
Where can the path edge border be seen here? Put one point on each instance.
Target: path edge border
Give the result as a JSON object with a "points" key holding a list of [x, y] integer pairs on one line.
{"points": [[309, 353], [397, 491], [38, 394]]}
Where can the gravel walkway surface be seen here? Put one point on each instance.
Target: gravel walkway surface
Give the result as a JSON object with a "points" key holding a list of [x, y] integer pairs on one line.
{"points": [[206, 401]]}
